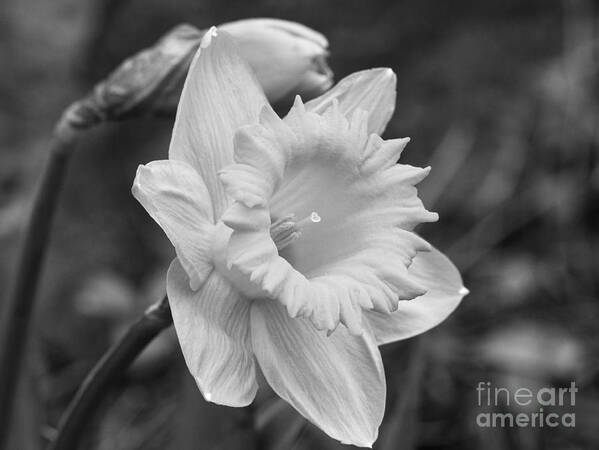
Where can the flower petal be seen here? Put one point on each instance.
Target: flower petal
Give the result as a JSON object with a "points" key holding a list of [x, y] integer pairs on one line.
{"points": [[370, 90], [212, 325], [220, 95], [175, 196], [445, 292], [336, 382]]}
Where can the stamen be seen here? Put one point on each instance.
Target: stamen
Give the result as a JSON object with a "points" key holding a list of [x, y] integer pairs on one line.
{"points": [[286, 230]]}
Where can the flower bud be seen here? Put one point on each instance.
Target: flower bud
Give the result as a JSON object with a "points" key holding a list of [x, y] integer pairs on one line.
{"points": [[287, 57]]}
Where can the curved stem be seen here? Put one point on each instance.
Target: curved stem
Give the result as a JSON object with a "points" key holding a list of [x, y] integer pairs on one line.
{"points": [[148, 82], [20, 301], [113, 364]]}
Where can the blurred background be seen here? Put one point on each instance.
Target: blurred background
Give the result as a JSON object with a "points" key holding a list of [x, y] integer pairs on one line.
{"points": [[499, 97]]}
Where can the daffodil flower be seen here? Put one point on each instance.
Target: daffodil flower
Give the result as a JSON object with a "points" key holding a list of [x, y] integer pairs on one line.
{"points": [[294, 240]]}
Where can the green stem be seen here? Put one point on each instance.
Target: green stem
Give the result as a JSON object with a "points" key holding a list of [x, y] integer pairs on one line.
{"points": [[20, 301], [112, 365]]}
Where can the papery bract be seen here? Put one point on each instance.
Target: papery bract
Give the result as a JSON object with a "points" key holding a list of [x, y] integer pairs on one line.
{"points": [[294, 241]]}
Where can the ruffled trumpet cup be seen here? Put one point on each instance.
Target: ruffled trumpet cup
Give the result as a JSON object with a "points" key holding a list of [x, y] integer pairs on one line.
{"points": [[294, 241]]}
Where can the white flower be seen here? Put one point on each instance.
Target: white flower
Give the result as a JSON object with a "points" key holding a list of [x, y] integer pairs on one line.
{"points": [[287, 57], [286, 228]]}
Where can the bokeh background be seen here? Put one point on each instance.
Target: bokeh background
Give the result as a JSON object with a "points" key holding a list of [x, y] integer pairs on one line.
{"points": [[500, 97]]}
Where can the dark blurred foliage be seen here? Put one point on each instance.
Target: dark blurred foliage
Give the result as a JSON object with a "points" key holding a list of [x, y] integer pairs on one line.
{"points": [[500, 97]]}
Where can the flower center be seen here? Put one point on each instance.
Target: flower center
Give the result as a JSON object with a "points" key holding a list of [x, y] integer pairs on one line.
{"points": [[286, 230]]}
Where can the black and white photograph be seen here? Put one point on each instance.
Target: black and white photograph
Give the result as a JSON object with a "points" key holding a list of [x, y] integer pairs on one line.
{"points": [[299, 225]]}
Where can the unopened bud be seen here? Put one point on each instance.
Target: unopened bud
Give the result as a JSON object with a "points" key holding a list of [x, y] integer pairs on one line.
{"points": [[287, 57]]}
